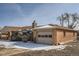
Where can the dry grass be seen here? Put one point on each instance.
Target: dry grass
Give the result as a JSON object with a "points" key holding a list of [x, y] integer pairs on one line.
{"points": [[72, 50], [10, 51], [68, 51]]}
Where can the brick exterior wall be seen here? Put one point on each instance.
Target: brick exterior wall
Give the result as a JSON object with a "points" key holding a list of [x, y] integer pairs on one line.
{"points": [[65, 36]]}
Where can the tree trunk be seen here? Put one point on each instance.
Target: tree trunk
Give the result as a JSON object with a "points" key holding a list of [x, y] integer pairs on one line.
{"points": [[62, 23], [68, 23]]}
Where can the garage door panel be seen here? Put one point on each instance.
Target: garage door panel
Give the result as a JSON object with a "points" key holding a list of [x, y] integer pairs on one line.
{"points": [[45, 40]]}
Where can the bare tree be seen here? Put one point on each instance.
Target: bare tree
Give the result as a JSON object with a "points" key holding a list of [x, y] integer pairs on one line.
{"points": [[75, 20], [71, 19], [61, 19], [66, 18]]}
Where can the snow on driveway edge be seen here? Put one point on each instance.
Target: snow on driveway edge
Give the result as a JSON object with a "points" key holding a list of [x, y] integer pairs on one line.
{"points": [[30, 45]]}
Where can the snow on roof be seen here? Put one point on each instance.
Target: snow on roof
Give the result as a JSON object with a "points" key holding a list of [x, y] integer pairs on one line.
{"points": [[53, 27], [45, 26]]}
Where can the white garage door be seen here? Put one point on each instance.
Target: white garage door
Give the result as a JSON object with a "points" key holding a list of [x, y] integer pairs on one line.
{"points": [[44, 37]]}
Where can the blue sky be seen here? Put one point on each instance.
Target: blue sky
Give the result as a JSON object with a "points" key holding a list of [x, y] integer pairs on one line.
{"points": [[24, 14]]}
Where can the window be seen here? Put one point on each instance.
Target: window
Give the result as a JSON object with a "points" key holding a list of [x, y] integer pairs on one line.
{"points": [[46, 35], [42, 35], [39, 35], [50, 35]]}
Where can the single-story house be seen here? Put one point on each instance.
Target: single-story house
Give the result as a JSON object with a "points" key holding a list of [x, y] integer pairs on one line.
{"points": [[26, 27], [50, 34], [6, 32]]}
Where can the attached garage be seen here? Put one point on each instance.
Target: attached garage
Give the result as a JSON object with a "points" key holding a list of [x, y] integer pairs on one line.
{"points": [[44, 37], [53, 35]]}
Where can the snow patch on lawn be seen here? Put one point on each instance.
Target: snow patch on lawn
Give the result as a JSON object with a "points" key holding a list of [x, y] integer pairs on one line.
{"points": [[30, 45], [59, 47]]}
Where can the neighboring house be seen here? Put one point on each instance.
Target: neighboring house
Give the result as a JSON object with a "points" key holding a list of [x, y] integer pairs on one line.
{"points": [[26, 27], [53, 34], [6, 32]]}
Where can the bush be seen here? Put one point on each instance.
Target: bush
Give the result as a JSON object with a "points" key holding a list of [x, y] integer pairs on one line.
{"points": [[18, 38], [25, 38]]}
